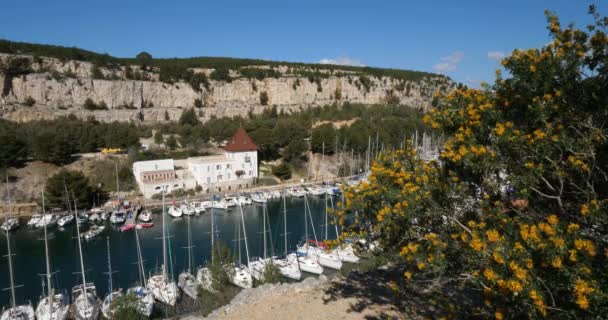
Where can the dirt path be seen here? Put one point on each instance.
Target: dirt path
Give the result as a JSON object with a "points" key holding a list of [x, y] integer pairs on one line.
{"points": [[340, 298]]}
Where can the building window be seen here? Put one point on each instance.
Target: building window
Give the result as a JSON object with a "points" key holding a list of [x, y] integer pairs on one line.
{"points": [[228, 166], [208, 168], [218, 167], [247, 159], [250, 174]]}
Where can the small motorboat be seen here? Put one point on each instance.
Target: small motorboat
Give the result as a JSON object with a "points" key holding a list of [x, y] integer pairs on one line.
{"points": [[34, 220], [242, 200], [94, 217], [10, 224], [220, 204], [175, 212], [206, 205], [142, 225], [231, 202], [185, 209], [145, 216], [127, 227], [65, 220], [48, 219], [258, 197], [118, 217], [93, 232]]}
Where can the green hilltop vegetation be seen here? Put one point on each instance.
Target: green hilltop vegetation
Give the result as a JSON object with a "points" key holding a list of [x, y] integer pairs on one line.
{"points": [[174, 69]]}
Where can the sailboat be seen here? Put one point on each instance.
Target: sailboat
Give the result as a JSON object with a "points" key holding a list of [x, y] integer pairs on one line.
{"points": [[21, 312], [53, 306], [203, 275], [241, 275], [10, 223], [84, 297], [257, 267], [106, 306], [289, 267], [161, 285], [344, 252], [186, 281], [314, 249], [305, 262], [144, 296]]}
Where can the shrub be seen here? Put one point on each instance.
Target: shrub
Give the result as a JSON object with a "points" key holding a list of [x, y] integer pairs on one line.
{"points": [[282, 171], [221, 74], [198, 103], [264, 98], [90, 105], [29, 101]]}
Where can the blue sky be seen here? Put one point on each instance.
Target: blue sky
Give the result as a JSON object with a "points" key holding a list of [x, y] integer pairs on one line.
{"points": [[459, 38]]}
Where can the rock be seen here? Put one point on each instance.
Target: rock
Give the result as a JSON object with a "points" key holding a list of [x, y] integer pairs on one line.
{"points": [[129, 100]]}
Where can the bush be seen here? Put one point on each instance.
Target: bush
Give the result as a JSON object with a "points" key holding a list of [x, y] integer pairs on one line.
{"points": [[221, 74], [78, 187], [90, 105], [282, 171], [29, 101], [264, 98], [198, 103], [125, 307], [272, 274]]}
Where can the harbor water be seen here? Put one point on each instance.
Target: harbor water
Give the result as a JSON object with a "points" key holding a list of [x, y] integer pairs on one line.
{"points": [[29, 259]]}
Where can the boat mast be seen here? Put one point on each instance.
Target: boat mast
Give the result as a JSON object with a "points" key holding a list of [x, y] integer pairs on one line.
{"points": [[117, 186], [140, 262], [48, 265], [285, 221], [84, 279], [244, 233], [109, 268], [314, 233], [325, 215], [189, 246], [212, 228], [264, 230], [164, 242], [10, 266]]}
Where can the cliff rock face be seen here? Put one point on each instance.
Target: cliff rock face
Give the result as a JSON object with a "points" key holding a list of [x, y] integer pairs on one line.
{"points": [[52, 88]]}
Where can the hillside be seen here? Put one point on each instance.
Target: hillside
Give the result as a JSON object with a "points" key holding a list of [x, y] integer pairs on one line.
{"points": [[44, 82]]}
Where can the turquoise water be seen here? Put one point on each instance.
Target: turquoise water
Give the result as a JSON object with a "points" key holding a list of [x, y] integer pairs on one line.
{"points": [[28, 247]]}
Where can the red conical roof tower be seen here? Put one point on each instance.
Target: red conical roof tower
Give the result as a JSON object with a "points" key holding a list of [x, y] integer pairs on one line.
{"points": [[240, 142]]}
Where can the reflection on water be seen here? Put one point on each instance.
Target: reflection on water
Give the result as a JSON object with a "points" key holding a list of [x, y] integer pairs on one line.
{"points": [[29, 248]]}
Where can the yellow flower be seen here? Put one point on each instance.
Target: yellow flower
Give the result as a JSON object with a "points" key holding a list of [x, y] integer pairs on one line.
{"points": [[489, 274], [573, 227], [420, 265], [493, 235], [585, 209], [529, 263], [408, 275], [582, 302], [532, 68], [477, 244], [552, 219], [498, 258], [498, 315], [514, 286], [556, 263]]}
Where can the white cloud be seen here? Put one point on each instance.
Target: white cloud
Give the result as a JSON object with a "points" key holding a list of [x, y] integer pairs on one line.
{"points": [[496, 55], [449, 62], [343, 61]]}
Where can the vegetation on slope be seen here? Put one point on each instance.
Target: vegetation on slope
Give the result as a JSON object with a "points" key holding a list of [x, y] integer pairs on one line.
{"points": [[513, 222]]}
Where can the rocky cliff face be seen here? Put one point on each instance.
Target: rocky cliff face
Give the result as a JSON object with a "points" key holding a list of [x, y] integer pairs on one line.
{"points": [[52, 88]]}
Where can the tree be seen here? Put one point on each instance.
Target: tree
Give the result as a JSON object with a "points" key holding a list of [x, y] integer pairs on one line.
{"points": [[144, 59], [198, 103], [221, 74], [516, 208], [78, 187], [264, 98], [323, 135], [282, 171], [294, 152], [189, 117], [14, 149], [158, 138], [171, 142], [126, 307]]}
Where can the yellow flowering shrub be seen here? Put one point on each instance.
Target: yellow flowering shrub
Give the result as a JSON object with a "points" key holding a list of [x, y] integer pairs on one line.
{"points": [[516, 206]]}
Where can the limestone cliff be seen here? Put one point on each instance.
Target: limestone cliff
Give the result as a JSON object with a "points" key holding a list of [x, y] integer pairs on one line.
{"points": [[53, 87]]}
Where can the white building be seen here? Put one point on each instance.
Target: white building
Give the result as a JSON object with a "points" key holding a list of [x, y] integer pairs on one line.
{"points": [[235, 169]]}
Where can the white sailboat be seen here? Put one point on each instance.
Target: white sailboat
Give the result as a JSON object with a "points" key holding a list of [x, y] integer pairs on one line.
{"points": [[258, 197], [16, 312], [65, 220], [10, 223], [34, 220], [144, 296], [175, 211], [106, 306], [289, 267], [307, 263], [203, 275], [258, 267], [344, 252], [315, 251], [161, 285], [186, 281], [241, 275], [53, 306], [85, 304]]}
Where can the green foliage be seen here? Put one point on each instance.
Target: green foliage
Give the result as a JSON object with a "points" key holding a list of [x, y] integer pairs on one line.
{"points": [[144, 59], [16, 66], [14, 149], [259, 73], [158, 138], [171, 142], [221, 74], [30, 102], [90, 105], [78, 187], [189, 117], [272, 274], [264, 98], [96, 72], [282, 171], [125, 307], [198, 103], [323, 135], [365, 82], [103, 174], [294, 152]]}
